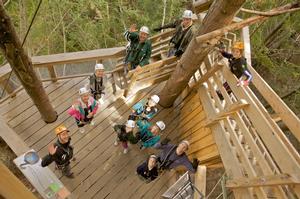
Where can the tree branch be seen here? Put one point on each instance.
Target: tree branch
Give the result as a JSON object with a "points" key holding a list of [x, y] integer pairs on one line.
{"points": [[270, 13]]}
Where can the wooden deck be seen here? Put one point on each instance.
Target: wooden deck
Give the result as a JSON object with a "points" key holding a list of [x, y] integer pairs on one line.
{"points": [[101, 169]]}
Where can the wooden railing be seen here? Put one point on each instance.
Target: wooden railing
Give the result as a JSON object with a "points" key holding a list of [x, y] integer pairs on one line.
{"points": [[251, 144]]}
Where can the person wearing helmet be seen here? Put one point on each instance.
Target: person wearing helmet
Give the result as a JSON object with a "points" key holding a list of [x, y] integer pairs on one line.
{"points": [[149, 134], [125, 134], [238, 66], [184, 32], [84, 109], [172, 156], [61, 152], [139, 52], [97, 82], [145, 109], [148, 170]]}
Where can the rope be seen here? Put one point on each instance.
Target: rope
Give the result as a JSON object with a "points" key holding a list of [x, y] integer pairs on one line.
{"points": [[213, 189], [24, 40]]}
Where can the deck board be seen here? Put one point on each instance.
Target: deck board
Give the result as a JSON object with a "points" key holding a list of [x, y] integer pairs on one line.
{"points": [[101, 169]]}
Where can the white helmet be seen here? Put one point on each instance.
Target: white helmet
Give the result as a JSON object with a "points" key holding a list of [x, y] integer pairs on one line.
{"points": [[130, 124], [187, 143], [99, 67], [187, 14], [83, 90], [161, 125], [155, 98], [145, 29]]}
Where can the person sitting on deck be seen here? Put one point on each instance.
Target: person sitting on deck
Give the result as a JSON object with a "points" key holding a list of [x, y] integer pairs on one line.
{"points": [[173, 156], [183, 34], [139, 52], [84, 109], [61, 152], [145, 109], [125, 134], [148, 170], [148, 134], [237, 64], [97, 82]]}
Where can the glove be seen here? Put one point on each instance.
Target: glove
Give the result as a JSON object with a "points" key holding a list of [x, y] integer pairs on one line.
{"points": [[195, 163], [157, 29], [165, 141], [178, 53], [243, 83]]}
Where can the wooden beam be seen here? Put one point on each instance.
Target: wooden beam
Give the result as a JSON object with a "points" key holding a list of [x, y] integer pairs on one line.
{"points": [[209, 73], [200, 181], [52, 73], [271, 180], [232, 109], [11, 186]]}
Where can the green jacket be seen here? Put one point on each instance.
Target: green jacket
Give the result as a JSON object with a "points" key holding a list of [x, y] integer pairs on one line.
{"points": [[138, 53]]}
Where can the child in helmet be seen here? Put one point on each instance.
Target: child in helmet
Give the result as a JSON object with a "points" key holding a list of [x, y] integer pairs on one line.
{"points": [[148, 170], [238, 66], [125, 134], [97, 82], [149, 134], [238, 63], [84, 109], [145, 109]]}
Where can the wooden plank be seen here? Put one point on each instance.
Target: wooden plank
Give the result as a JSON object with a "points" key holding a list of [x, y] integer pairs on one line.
{"points": [[52, 73], [15, 143], [284, 112], [279, 151], [200, 181], [209, 73], [11, 186], [272, 180], [231, 163]]}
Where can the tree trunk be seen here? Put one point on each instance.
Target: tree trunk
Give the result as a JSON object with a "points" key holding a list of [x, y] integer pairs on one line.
{"points": [[22, 66], [219, 15]]}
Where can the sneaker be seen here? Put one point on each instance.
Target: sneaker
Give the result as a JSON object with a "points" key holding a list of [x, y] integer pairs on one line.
{"points": [[71, 175], [125, 151], [116, 143], [100, 101], [92, 123], [81, 130]]}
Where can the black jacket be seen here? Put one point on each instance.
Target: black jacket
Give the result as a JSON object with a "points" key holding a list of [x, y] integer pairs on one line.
{"points": [[147, 174], [63, 155], [181, 37]]}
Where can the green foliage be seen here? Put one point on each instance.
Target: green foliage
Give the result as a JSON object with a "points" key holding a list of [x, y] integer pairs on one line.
{"points": [[85, 24]]}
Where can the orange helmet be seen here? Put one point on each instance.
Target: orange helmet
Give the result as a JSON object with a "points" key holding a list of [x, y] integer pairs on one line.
{"points": [[61, 128], [238, 45]]}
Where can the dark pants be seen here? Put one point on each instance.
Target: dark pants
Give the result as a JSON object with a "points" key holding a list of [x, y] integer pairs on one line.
{"points": [[86, 121], [65, 169]]}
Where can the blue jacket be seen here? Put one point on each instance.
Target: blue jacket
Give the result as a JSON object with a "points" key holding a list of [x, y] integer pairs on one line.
{"points": [[140, 107], [147, 138]]}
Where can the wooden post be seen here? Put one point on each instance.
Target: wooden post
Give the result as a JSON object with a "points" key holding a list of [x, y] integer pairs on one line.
{"points": [[224, 12], [11, 186], [9, 87], [52, 73], [21, 64]]}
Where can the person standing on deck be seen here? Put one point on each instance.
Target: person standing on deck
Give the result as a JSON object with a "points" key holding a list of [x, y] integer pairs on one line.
{"points": [[145, 109], [97, 83], [139, 52], [149, 134], [184, 33], [84, 109], [61, 152], [172, 156], [125, 134]]}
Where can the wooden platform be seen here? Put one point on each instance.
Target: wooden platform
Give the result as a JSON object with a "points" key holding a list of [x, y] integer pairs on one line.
{"points": [[101, 169]]}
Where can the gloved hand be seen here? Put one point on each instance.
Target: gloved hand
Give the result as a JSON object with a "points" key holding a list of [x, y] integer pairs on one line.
{"points": [[157, 29], [165, 141], [195, 163], [178, 53]]}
